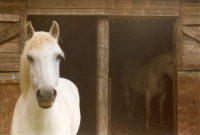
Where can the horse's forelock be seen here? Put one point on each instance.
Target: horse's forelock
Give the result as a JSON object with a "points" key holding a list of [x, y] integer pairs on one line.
{"points": [[40, 39]]}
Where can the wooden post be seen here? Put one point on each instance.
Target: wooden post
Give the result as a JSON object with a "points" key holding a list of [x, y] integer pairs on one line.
{"points": [[22, 32], [102, 77], [175, 42]]}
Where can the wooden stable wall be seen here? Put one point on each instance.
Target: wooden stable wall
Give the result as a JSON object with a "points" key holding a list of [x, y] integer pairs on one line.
{"points": [[9, 93], [13, 15], [188, 66], [104, 7]]}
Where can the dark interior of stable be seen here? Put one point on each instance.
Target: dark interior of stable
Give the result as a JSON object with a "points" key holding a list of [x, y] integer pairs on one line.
{"points": [[138, 39], [78, 39]]}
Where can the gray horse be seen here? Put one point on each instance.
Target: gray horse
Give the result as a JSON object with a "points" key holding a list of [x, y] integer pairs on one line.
{"points": [[148, 79]]}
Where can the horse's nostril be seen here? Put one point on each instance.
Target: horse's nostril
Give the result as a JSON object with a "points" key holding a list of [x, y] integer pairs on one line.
{"points": [[38, 93], [54, 93]]}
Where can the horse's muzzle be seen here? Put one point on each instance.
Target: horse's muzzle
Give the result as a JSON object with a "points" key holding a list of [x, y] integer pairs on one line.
{"points": [[46, 98]]}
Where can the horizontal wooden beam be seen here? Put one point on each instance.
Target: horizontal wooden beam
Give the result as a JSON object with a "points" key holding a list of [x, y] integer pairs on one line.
{"points": [[9, 66], [9, 32], [190, 10], [9, 17], [191, 21], [104, 12], [153, 5], [73, 4], [66, 12], [9, 76], [9, 47], [191, 32], [9, 57], [191, 49]]}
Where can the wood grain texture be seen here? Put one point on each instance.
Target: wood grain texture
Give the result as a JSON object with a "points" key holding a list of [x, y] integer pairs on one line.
{"points": [[9, 94], [9, 57], [179, 43], [9, 47], [194, 33], [187, 40], [189, 10], [73, 4], [9, 67], [9, 17], [103, 67], [140, 4], [188, 103], [195, 20], [9, 32], [38, 11]]}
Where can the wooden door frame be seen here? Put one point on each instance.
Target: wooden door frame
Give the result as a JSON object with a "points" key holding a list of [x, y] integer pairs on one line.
{"points": [[103, 89]]}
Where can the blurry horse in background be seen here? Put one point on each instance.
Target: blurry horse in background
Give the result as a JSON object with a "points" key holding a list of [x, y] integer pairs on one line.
{"points": [[48, 104], [148, 79]]}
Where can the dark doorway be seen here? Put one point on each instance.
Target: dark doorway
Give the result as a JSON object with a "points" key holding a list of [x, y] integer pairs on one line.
{"points": [[138, 39], [78, 39]]}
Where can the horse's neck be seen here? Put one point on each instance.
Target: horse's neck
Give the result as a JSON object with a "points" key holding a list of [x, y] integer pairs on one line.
{"points": [[157, 68]]}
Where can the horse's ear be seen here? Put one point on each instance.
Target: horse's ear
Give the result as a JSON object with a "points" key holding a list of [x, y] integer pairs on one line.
{"points": [[54, 31], [29, 30]]}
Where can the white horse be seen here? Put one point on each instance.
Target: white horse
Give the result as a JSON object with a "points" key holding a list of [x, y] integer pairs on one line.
{"points": [[48, 104], [148, 79]]}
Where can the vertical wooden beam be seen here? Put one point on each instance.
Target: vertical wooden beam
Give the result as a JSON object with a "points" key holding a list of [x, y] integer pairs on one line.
{"points": [[179, 42], [22, 32], [102, 77], [175, 30]]}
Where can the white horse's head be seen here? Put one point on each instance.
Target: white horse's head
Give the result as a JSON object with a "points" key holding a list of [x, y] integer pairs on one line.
{"points": [[43, 54], [169, 64]]}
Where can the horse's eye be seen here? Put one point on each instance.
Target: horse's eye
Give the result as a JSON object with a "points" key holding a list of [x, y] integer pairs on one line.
{"points": [[59, 57], [30, 58]]}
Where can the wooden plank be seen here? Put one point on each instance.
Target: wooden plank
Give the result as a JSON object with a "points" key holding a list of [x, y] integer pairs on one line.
{"points": [[103, 66], [13, 10], [109, 105], [9, 57], [9, 47], [115, 4], [190, 10], [179, 43], [22, 32], [154, 5], [146, 13], [187, 40], [121, 12], [66, 11], [188, 95], [168, 13], [9, 17], [3, 25], [14, 3], [9, 32], [77, 4], [9, 66], [9, 94], [14, 39], [191, 49], [191, 60], [9, 76], [107, 12], [191, 32], [191, 20]]}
